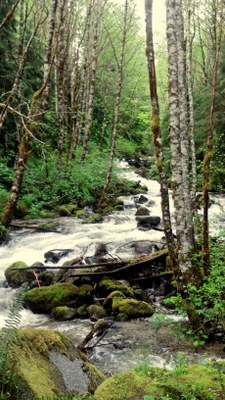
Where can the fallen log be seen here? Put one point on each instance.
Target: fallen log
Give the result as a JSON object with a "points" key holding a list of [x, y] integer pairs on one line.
{"points": [[120, 269]]}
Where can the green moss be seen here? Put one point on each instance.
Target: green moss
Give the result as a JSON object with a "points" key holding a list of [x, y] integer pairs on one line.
{"points": [[107, 285], [44, 299], [95, 310], [131, 308], [93, 218], [21, 209], [16, 278], [33, 367], [197, 382], [82, 214]]}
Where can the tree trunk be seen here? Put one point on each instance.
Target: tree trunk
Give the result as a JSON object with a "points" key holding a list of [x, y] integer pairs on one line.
{"points": [[93, 71], [120, 66], [189, 43], [209, 150], [155, 128]]}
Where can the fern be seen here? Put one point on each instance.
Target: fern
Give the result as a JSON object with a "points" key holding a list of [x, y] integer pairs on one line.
{"points": [[7, 336]]}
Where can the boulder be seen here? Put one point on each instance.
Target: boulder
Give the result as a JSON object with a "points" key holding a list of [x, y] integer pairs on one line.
{"points": [[142, 199], [96, 312], [146, 223], [142, 211], [144, 247], [131, 308], [46, 298], [65, 313], [16, 278], [108, 285], [48, 366]]}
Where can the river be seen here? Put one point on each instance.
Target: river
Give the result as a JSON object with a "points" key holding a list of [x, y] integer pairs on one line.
{"points": [[126, 344]]}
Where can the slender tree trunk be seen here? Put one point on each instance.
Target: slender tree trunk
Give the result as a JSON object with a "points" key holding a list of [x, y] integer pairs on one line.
{"points": [[155, 128], [190, 38], [61, 71], [116, 106], [9, 15], [209, 150], [93, 71], [19, 73], [83, 89]]}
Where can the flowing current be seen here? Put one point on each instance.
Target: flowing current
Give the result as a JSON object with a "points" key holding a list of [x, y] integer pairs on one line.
{"points": [[118, 230]]}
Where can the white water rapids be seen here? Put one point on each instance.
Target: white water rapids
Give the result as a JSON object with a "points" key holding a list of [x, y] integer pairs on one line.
{"points": [[117, 230]]}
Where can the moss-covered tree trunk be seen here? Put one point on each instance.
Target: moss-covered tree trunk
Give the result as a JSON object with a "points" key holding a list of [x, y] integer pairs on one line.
{"points": [[157, 142]]}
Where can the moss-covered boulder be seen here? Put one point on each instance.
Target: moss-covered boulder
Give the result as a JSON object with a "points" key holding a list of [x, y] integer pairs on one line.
{"points": [[107, 304], [96, 312], [195, 382], [46, 298], [64, 313], [142, 211], [131, 308], [16, 278], [108, 285], [46, 365]]}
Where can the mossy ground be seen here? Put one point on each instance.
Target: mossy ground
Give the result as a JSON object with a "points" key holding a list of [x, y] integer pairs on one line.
{"points": [[194, 383]]}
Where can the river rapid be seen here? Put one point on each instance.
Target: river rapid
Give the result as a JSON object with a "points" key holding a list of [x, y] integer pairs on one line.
{"points": [[126, 344]]}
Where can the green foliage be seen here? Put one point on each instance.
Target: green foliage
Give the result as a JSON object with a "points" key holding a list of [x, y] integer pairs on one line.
{"points": [[7, 336]]}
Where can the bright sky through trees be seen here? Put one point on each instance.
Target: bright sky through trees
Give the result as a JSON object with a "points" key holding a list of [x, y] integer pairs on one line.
{"points": [[159, 16]]}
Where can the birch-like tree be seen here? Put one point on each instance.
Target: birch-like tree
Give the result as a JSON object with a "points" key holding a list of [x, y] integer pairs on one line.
{"points": [[120, 67], [157, 142]]}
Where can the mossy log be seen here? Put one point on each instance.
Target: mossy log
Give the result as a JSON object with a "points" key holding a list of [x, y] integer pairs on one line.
{"points": [[120, 270]]}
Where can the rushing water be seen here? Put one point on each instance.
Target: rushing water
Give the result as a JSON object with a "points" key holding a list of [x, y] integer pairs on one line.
{"points": [[117, 231]]}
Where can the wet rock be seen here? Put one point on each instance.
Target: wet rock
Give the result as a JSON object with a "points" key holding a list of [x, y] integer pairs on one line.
{"points": [[46, 298], [148, 222], [96, 312], [16, 278], [65, 313], [107, 285], [131, 308], [142, 211], [54, 256], [142, 199], [144, 247]]}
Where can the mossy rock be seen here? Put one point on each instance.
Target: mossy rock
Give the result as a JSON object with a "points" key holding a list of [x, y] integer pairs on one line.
{"points": [[131, 308], [142, 211], [46, 298], [96, 312], [63, 313], [93, 218], [107, 304], [21, 210], [18, 277], [82, 214], [4, 235], [63, 211], [196, 382], [108, 285], [46, 365]]}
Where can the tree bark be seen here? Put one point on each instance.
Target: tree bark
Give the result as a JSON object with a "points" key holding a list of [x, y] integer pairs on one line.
{"points": [[120, 66], [209, 150], [155, 128]]}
